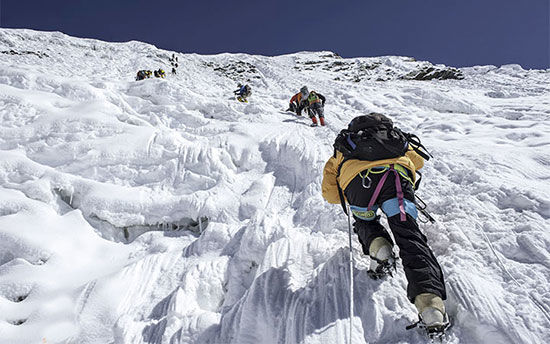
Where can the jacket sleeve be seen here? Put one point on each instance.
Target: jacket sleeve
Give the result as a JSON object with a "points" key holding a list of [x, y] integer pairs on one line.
{"points": [[329, 186], [323, 99], [416, 159], [294, 98]]}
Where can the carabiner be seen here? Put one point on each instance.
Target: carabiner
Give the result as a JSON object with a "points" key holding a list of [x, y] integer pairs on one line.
{"points": [[363, 181]]}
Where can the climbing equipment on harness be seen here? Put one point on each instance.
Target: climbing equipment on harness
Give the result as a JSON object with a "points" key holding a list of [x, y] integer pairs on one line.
{"points": [[383, 168], [392, 206], [421, 206], [403, 216], [363, 213], [363, 177]]}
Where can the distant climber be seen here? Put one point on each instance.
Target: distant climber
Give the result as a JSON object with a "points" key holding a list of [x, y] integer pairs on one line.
{"points": [[174, 63], [298, 102], [140, 75], [143, 74], [243, 92], [374, 167], [174, 58], [316, 107], [160, 73]]}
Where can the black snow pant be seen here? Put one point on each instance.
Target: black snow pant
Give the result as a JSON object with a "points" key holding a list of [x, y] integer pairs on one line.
{"points": [[316, 109], [422, 270]]}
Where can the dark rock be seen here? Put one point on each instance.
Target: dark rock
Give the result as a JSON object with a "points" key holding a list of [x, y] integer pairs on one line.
{"points": [[430, 73], [13, 52]]}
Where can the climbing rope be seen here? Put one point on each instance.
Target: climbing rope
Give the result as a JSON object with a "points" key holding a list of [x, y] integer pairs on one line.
{"points": [[533, 299], [350, 278]]}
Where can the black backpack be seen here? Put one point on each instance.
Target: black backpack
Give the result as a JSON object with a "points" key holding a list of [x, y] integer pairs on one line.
{"points": [[373, 137]]}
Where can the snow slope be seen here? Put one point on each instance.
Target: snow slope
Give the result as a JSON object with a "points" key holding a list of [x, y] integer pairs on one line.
{"points": [[94, 165]]}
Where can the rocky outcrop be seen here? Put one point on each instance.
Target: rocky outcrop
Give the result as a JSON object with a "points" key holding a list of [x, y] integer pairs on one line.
{"points": [[434, 72]]}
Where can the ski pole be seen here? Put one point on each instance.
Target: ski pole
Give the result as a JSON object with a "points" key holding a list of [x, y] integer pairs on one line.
{"points": [[350, 278]]}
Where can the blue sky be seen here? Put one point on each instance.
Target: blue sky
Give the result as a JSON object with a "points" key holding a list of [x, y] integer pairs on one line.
{"points": [[454, 32]]}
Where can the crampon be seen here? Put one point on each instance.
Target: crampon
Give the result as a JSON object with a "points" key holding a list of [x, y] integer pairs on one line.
{"points": [[383, 269], [434, 332]]}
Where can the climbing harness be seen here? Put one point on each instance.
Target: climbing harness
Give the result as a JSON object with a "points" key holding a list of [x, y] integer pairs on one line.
{"points": [[381, 169], [403, 216], [391, 207]]}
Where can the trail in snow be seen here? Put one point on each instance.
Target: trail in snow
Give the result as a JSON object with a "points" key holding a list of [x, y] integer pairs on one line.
{"points": [[87, 152]]}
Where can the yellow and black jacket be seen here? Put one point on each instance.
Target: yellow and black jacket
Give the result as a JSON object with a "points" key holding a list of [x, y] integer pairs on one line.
{"points": [[350, 168]]}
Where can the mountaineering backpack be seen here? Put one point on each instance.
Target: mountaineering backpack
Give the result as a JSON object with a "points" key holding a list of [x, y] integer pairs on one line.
{"points": [[313, 98], [373, 137]]}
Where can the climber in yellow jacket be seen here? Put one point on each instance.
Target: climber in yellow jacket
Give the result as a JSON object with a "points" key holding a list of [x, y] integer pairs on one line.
{"points": [[383, 179]]}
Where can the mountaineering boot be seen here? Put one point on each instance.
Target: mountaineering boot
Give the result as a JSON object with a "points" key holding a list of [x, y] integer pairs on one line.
{"points": [[314, 124], [382, 259], [322, 121], [431, 310]]}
